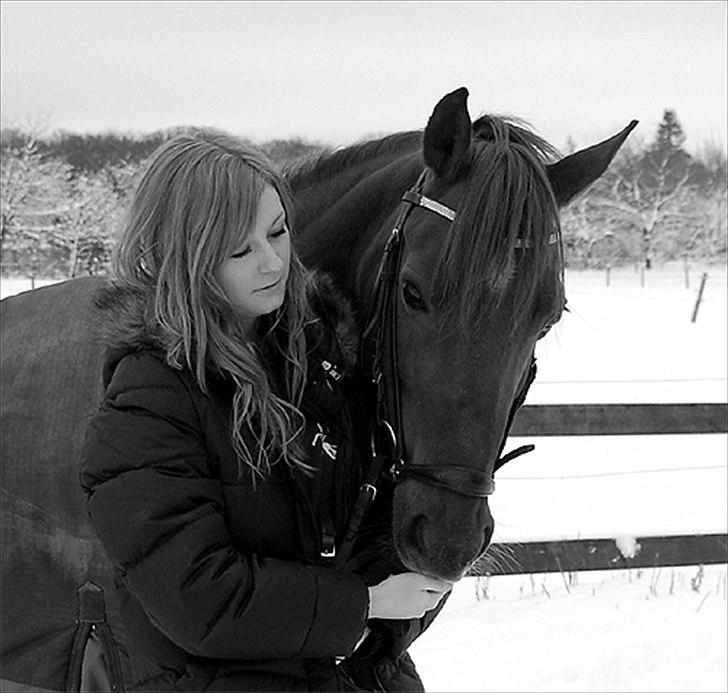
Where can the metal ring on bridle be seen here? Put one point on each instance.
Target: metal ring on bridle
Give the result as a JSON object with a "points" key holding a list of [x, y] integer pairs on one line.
{"points": [[384, 424]]}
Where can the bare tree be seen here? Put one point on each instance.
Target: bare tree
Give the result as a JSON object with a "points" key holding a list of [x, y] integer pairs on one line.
{"points": [[579, 230], [34, 197], [643, 190], [705, 234], [53, 214], [95, 214]]}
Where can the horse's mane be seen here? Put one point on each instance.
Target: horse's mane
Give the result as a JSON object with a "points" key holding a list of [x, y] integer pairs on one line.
{"points": [[509, 203], [325, 164]]}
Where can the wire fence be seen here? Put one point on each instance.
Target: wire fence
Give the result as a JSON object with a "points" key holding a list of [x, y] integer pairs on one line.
{"points": [[630, 381], [598, 475]]}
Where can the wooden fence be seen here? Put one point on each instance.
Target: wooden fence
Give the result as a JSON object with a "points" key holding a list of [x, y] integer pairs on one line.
{"points": [[603, 554]]}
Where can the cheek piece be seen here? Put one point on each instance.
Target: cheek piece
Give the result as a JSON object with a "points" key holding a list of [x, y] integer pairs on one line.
{"points": [[379, 352]]}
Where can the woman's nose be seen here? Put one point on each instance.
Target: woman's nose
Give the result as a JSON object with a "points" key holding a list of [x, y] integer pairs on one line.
{"points": [[270, 261]]}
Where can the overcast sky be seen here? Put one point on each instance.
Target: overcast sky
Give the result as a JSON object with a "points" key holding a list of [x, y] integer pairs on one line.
{"points": [[336, 72]]}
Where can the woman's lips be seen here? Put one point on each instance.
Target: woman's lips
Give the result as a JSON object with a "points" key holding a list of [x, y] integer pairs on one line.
{"points": [[270, 286]]}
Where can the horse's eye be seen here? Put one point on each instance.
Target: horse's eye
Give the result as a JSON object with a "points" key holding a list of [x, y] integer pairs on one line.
{"points": [[412, 298]]}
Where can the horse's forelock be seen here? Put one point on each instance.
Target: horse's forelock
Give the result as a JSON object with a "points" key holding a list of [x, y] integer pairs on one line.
{"points": [[509, 203]]}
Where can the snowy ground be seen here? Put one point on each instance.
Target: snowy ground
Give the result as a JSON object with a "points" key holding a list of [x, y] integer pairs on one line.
{"points": [[10, 287], [614, 631], [625, 343], [622, 343]]}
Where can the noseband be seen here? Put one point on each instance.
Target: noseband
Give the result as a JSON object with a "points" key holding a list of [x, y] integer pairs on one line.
{"points": [[380, 339]]}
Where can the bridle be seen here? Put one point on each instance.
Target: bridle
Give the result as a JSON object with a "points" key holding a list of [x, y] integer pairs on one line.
{"points": [[379, 356]]}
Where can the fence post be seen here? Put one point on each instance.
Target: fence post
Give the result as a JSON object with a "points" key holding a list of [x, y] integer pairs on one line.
{"points": [[608, 271], [687, 270], [700, 296]]}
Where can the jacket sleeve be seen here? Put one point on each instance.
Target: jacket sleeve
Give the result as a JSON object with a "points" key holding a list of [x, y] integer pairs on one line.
{"points": [[159, 512], [382, 659]]}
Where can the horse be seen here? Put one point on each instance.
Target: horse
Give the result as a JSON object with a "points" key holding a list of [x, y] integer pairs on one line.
{"points": [[451, 289]]}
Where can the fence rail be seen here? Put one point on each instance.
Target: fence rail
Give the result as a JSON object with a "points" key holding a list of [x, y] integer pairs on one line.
{"points": [[605, 553], [620, 419]]}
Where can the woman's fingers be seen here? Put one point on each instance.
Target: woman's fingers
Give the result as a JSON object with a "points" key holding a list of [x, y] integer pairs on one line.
{"points": [[407, 595]]}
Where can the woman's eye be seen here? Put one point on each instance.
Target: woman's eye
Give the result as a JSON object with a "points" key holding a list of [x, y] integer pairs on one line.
{"points": [[280, 232], [241, 253], [412, 298]]}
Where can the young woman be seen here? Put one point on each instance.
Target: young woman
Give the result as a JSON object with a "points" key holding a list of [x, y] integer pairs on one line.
{"points": [[220, 467]]}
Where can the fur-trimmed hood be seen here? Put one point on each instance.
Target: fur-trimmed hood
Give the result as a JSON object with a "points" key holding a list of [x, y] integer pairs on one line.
{"points": [[127, 323]]}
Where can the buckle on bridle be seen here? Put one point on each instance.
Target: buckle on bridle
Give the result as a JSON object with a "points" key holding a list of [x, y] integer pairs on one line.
{"points": [[370, 490]]}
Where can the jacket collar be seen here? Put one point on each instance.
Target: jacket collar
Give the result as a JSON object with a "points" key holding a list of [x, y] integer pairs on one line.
{"points": [[127, 324]]}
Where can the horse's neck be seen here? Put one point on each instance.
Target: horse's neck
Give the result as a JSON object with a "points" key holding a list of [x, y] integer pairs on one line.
{"points": [[318, 184], [340, 216], [315, 198]]}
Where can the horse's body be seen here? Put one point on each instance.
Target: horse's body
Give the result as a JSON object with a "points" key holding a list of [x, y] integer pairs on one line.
{"points": [[473, 296]]}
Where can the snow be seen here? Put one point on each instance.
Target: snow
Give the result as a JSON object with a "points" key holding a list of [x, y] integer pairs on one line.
{"points": [[612, 630], [627, 343], [628, 546], [12, 286], [624, 343], [590, 487]]}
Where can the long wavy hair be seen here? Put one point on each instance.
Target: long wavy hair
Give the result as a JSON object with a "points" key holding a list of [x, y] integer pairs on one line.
{"points": [[195, 203]]}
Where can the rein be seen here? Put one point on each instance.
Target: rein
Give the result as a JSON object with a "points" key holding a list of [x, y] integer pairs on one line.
{"points": [[379, 340]]}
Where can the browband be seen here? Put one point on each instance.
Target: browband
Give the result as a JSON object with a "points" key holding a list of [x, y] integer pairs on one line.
{"points": [[427, 203], [444, 211]]}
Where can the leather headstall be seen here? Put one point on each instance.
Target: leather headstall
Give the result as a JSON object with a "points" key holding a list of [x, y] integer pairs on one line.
{"points": [[380, 356]]}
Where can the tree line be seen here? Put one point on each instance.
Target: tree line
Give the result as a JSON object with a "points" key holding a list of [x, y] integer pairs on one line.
{"points": [[656, 203], [64, 198]]}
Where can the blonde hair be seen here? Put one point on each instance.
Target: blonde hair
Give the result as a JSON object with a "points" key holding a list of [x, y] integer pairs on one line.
{"points": [[198, 195]]}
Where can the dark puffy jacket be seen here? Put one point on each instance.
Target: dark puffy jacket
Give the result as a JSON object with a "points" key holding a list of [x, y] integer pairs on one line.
{"points": [[222, 585]]}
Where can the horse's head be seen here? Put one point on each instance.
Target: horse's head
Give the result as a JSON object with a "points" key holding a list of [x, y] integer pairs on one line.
{"points": [[472, 296]]}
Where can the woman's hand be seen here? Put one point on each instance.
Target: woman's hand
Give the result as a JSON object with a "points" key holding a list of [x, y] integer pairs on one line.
{"points": [[408, 595]]}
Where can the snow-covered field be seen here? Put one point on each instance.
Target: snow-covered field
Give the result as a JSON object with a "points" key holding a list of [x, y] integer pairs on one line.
{"points": [[625, 343], [614, 630], [10, 287]]}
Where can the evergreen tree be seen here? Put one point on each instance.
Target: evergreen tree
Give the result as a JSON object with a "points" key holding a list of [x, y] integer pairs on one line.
{"points": [[670, 135], [665, 163]]}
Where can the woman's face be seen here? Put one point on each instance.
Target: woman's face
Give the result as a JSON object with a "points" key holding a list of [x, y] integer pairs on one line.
{"points": [[254, 276]]}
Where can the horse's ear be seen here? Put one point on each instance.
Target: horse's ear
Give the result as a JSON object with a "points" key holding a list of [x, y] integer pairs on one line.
{"points": [[447, 136], [574, 172]]}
